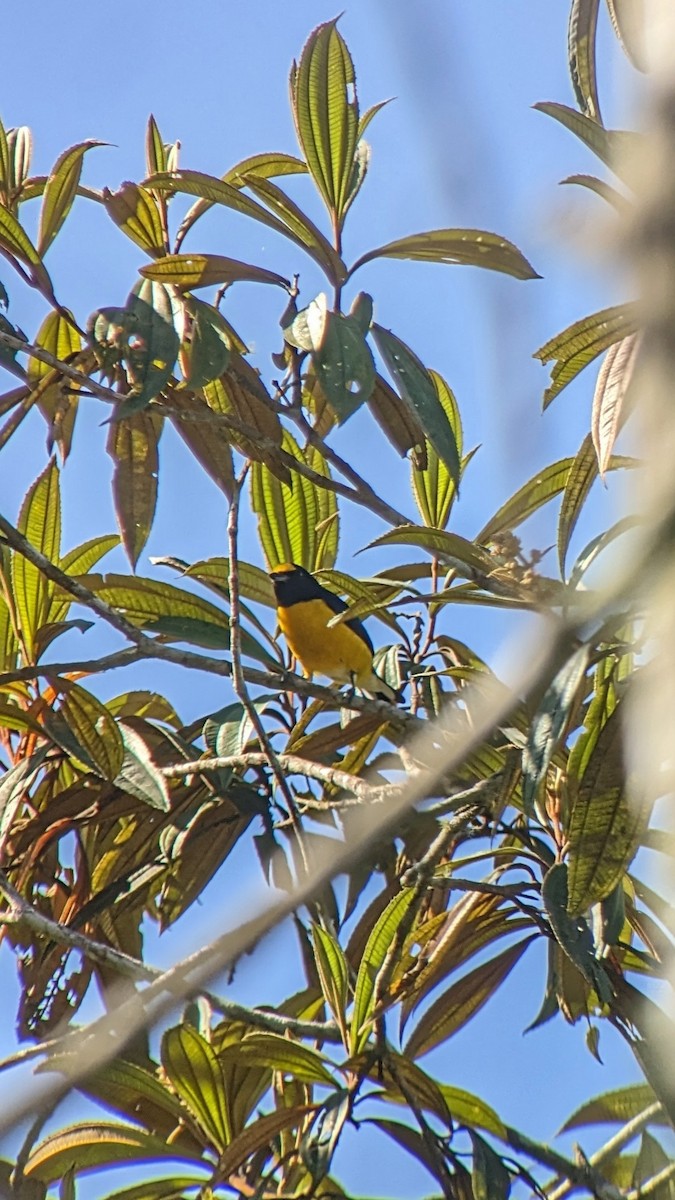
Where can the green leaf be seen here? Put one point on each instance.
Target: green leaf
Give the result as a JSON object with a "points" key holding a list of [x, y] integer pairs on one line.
{"points": [[608, 413], [254, 583], [468, 1109], [133, 447], [581, 33], [90, 1146], [538, 490], [418, 389], [195, 1072], [155, 150], [615, 1107], [462, 1001], [433, 485], [134, 209], [151, 345], [143, 601], [582, 476], [549, 722], [260, 1134], [58, 396], [615, 147], [597, 544], [306, 232], [207, 353], [603, 189], [60, 191], [14, 786], [374, 954], [326, 112], [465, 557], [97, 740], [490, 1179], [263, 166], [76, 562], [287, 517], [333, 970], [15, 241], [277, 1053], [204, 270], [172, 1187], [606, 824], [580, 343], [575, 939], [651, 1161], [40, 522], [471, 247], [138, 776], [342, 359]]}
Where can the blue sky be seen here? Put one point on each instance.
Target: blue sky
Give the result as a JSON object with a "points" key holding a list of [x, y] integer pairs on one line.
{"points": [[460, 145]]}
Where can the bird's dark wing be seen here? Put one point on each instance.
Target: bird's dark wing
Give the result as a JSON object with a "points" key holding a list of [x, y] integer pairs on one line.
{"points": [[337, 605]]}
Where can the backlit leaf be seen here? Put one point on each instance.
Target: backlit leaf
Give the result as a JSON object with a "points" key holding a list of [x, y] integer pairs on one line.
{"points": [[209, 441], [612, 384], [326, 112], [460, 1002], [207, 353], [195, 1072], [614, 1107], [433, 485], [606, 823], [463, 555], [204, 270], [40, 522], [583, 20], [16, 242], [133, 447], [311, 237], [379, 941], [265, 166], [577, 346], [94, 1145], [333, 973], [538, 490], [277, 1053], [398, 420], [471, 247], [60, 191], [615, 147], [287, 517], [135, 211], [92, 727], [630, 23], [58, 401]]}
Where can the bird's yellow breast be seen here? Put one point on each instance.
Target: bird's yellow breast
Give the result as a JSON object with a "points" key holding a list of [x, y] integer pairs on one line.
{"points": [[336, 652]]}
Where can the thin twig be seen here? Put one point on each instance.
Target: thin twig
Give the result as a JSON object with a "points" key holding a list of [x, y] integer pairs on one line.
{"points": [[64, 368]]}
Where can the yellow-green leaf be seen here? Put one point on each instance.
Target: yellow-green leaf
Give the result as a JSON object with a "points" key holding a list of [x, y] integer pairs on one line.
{"points": [[40, 522], [615, 147], [577, 346], [195, 1072], [326, 113], [58, 399], [135, 211], [374, 954], [95, 732], [91, 1146], [60, 191], [16, 242], [205, 270], [463, 555], [433, 485], [581, 31], [288, 517], [306, 232], [277, 1053], [615, 1107]]}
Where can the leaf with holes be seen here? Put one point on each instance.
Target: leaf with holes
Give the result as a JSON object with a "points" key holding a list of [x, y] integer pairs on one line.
{"points": [[342, 359]]}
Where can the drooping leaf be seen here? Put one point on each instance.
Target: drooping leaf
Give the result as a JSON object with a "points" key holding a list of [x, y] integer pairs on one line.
{"points": [[615, 147], [60, 191], [101, 1144], [398, 420], [611, 387], [466, 557], [134, 209], [462, 1000], [259, 1134], [580, 343], [208, 440], [471, 247], [133, 447], [206, 355], [40, 522], [14, 786], [342, 360], [15, 241], [326, 113], [603, 189], [549, 723], [574, 937], [381, 937], [195, 1072], [205, 270], [606, 823], [583, 20], [417, 387], [151, 346]]}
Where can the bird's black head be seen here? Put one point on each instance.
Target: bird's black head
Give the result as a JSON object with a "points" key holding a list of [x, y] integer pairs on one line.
{"points": [[293, 584]]}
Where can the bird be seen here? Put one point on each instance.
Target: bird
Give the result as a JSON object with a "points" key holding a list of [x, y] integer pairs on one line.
{"points": [[342, 652]]}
